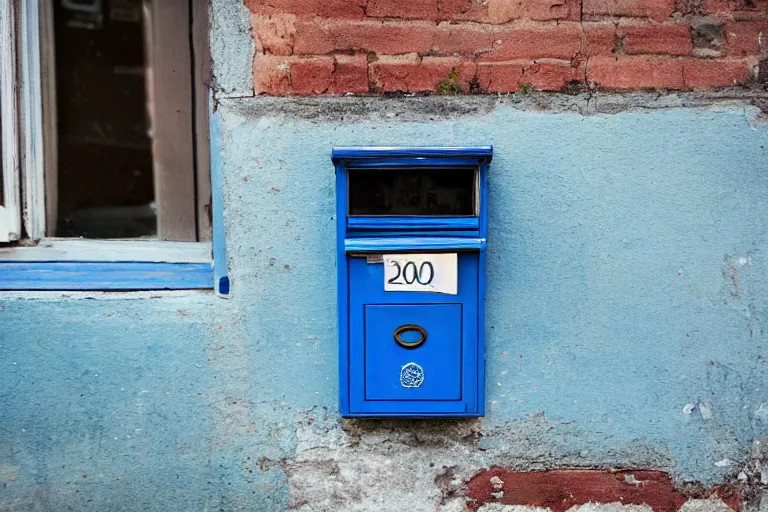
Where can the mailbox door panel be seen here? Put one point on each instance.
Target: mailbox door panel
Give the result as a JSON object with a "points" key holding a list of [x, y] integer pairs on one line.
{"points": [[429, 371], [448, 359]]}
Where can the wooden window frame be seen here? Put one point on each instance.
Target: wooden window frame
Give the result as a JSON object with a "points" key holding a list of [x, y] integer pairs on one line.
{"points": [[182, 257]]}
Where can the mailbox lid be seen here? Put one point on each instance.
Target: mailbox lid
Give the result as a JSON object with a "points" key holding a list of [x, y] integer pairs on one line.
{"points": [[429, 371]]}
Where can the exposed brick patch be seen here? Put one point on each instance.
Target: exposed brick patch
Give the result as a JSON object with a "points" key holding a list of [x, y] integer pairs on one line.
{"points": [[560, 490], [662, 39], [636, 73], [340, 46], [654, 9]]}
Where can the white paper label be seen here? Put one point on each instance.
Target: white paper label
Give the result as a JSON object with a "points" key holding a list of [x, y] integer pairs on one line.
{"points": [[436, 272]]}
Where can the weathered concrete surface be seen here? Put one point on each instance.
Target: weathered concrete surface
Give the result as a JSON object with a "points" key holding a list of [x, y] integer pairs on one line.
{"points": [[232, 49], [628, 288], [421, 109]]}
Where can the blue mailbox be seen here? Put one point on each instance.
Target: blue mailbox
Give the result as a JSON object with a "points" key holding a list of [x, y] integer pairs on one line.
{"points": [[411, 235]]}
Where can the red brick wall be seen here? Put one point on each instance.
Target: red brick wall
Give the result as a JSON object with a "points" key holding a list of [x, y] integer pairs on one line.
{"points": [[306, 47]]}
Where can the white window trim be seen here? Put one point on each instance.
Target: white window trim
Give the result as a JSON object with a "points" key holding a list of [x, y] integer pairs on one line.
{"points": [[76, 249], [29, 145], [10, 212], [31, 122], [28, 155]]}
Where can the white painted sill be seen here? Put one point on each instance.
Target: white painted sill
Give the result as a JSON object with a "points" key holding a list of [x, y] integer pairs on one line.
{"points": [[107, 265], [72, 249]]}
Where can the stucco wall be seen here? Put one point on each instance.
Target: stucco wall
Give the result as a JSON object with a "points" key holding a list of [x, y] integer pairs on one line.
{"points": [[628, 293]]}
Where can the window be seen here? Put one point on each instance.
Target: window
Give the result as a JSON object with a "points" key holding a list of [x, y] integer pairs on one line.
{"points": [[105, 163]]}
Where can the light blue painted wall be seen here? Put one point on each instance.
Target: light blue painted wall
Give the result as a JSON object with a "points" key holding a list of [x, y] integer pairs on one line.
{"points": [[627, 273]]}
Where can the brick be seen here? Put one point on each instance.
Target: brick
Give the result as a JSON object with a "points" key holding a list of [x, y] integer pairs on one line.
{"points": [[283, 76], [503, 11], [403, 9], [274, 34], [560, 490], [463, 39], [599, 38], [271, 75], [550, 76], [744, 38], [410, 73], [543, 10], [562, 41], [500, 488], [499, 76], [636, 73], [350, 74], [345, 9], [665, 39], [657, 10], [462, 10], [318, 36], [709, 73], [310, 76]]}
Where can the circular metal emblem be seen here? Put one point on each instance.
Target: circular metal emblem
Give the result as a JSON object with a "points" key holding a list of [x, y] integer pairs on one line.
{"points": [[411, 375]]}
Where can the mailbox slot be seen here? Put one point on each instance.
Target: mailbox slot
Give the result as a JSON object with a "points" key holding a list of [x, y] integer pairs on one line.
{"points": [[406, 192], [411, 336]]}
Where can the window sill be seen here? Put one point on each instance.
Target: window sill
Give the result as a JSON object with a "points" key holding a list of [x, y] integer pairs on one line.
{"points": [[100, 265]]}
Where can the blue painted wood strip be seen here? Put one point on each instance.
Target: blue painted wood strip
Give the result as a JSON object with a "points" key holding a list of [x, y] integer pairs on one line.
{"points": [[342, 288], [412, 223], [350, 153], [437, 163], [94, 276], [410, 415], [220, 273], [397, 244]]}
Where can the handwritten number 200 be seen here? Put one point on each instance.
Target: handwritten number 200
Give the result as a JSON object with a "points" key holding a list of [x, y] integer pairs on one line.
{"points": [[414, 276]]}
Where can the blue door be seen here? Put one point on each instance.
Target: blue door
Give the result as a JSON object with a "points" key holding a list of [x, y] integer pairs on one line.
{"points": [[412, 352], [427, 369]]}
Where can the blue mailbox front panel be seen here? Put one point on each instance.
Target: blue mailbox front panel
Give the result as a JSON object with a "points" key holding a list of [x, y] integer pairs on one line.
{"points": [[411, 341]]}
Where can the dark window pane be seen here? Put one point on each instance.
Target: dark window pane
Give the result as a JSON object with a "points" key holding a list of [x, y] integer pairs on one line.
{"points": [[435, 191], [106, 186]]}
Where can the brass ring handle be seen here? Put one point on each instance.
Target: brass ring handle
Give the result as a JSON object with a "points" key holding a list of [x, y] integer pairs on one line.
{"points": [[410, 327]]}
